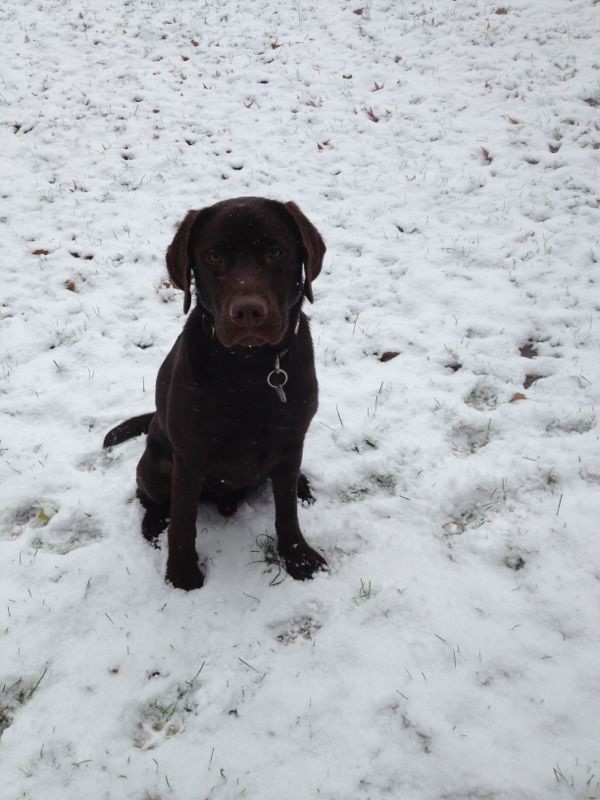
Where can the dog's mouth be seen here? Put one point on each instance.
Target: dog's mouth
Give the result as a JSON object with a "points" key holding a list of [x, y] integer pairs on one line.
{"points": [[248, 337], [250, 341]]}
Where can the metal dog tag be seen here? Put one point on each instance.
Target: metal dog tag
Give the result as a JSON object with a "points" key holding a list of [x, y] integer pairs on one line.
{"points": [[280, 394], [277, 379]]}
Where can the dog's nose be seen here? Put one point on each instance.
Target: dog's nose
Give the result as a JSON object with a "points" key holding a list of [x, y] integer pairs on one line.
{"points": [[248, 312]]}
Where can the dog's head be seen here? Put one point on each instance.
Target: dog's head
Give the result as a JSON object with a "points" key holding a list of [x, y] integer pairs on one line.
{"points": [[251, 260]]}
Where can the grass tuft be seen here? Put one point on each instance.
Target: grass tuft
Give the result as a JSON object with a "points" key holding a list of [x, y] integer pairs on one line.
{"points": [[267, 548]]}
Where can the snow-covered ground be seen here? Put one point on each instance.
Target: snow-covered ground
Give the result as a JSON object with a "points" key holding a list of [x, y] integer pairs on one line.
{"points": [[449, 152]]}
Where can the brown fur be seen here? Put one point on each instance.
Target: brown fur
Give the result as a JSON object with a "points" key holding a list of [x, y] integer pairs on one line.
{"points": [[219, 427]]}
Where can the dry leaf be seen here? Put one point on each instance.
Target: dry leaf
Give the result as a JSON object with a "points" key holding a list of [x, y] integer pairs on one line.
{"points": [[530, 380], [528, 350]]}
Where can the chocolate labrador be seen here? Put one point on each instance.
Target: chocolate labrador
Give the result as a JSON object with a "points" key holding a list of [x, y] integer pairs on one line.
{"points": [[236, 394]]}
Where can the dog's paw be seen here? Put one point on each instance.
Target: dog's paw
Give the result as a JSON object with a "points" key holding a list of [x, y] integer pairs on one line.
{"points": [[302, 562], [305, 494], [186, 576], [156, 518], [153, 524]]}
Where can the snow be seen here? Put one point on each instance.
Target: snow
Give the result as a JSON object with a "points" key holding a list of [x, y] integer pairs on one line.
{"points": [[448, 153]]}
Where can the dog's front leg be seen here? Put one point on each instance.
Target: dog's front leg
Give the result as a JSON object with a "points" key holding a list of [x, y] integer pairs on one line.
{"points": [[301, 561], [182, 563]]}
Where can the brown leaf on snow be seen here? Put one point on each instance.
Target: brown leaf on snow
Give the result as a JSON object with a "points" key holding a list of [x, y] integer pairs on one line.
{"points": [[371, 114], [486, 155], [40, 252], [517, 396], [71, 286], [388, 355], [358, 11]]}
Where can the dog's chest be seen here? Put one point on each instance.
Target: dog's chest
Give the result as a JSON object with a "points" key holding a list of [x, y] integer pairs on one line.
{"points": [[226, 417], [250, 428], [246, 441]]}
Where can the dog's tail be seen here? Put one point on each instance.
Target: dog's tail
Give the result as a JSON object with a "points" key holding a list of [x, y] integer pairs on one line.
{"points": [[128, 429]]}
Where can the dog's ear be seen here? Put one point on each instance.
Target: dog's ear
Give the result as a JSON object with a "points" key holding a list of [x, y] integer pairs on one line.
{"points": [[178, 259], [313, 245]]}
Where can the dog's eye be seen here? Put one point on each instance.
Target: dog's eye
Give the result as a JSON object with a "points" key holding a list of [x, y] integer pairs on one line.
{"points": [[214, 258], [274, 253]]}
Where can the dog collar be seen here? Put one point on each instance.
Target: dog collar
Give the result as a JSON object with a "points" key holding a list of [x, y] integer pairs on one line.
{"points": [[278, 377]]}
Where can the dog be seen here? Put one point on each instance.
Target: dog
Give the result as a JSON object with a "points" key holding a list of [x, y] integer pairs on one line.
{"points": [[236, 394]]}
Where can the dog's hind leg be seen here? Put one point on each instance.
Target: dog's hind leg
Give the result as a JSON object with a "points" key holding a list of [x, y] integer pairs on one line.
{"points": [[305, 494], [154, 491]]}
